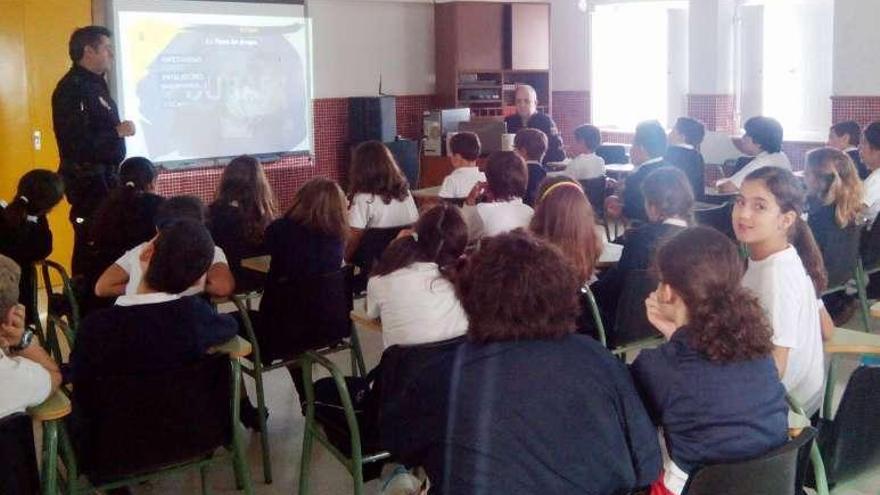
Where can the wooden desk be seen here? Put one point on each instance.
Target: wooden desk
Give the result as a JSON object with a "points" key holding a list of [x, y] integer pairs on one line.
{"points": [[846, 341], [257, 263], [362, 320]]}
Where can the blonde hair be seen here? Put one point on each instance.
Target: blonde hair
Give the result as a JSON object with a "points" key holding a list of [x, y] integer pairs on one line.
{"points": [[834, 180], [320, 205]]}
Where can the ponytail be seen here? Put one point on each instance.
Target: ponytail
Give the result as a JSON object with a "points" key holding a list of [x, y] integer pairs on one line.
{"points": [[802, 239]]}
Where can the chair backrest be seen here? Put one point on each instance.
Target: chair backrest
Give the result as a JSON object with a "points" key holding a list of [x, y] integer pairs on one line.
{"points": [[719, 218], [132, 424], [589, 322], [18, 460], [851, 443], [631, 322], [305, 313], [772, 473], [595, 190], [840, 252], [612, 153], [870, 245], [370, 249]]}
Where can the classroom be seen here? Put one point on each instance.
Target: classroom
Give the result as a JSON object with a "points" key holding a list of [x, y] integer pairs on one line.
{"points": [[408, 247]]}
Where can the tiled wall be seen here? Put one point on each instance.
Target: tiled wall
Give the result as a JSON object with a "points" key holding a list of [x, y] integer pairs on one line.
{"points": [[862, 109], [570, 109], [715, 111], [331, 154]]}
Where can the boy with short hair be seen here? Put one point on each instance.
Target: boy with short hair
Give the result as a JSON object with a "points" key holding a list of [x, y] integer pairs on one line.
{"points": [[646, 153], [846, 137], [683, 152], [464, 149], [586, 164], [531, 144]]}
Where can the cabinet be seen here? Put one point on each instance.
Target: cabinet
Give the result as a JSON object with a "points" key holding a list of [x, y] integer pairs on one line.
{"points": [[483, 50]]}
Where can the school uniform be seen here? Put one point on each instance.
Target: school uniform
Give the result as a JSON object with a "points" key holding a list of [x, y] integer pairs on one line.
{"points": [[537, 173], [417, 305], [861, 168], [298, 251], [25, 243], [544, 123], [585, 166], [633, 199], [460, 182], [517, 417], [763, 159], [871, 199], [130, 262], [25, 384], [839, 245], [498, 217], [786, 292], [690, 161], [227, 224], [710, 412], [370, 211]]}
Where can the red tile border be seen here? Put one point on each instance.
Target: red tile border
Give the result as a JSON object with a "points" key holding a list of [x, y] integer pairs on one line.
{"points": [[715, 111], [862, 109], [570, 109]]}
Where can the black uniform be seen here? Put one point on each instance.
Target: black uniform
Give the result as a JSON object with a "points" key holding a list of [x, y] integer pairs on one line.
{"points": [[544, 123], [85, 117]]}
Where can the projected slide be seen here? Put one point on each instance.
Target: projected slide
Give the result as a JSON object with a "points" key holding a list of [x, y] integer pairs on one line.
{"points": [[213, 85]]}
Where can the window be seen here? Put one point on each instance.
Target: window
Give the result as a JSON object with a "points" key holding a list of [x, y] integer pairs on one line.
{"points": [[784, 64], [638, 53]]}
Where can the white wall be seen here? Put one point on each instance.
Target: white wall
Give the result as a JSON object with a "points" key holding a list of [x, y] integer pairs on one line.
{"points": [[569, 47], [856, 38], [357, 40]]}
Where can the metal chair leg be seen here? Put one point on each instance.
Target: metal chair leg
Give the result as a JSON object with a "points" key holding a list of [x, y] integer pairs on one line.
{"points": [[203, 475], [308, 433], [50, 458], [357, 356], [264, 432], [862, 286], [242, 472]]}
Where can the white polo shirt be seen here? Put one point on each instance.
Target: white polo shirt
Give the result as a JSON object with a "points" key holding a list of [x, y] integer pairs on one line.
{"points": [[417, 305], [763, 159], [131, 263], [585, 166], [871, 199], [488, 219], [459, 183], [23, 383], [369, 211]]}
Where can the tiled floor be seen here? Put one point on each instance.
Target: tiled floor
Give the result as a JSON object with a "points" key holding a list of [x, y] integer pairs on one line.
{"points": [[328, 477]]}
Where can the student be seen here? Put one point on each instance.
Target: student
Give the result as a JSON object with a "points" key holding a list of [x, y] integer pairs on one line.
{"points": [[511, 409], [763, 140], [24, 231], [869, 151], [238, 218], [378, 193], [565, 218], [156, 329], [123, 220], [713, 386], [27, 372], [586, 164], [124, 276], [684, 152], [496, 206], [531, 144], [786, 273], [411, 288], [846, 136], [669, 203], [464, 149], [834, 200], [648, 147]]}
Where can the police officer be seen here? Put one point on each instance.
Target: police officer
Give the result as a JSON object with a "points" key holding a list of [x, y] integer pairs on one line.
{"points": [[91, 138]]}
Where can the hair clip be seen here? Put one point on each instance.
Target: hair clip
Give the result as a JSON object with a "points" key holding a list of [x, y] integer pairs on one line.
{"points": [[24, 198], [415, 236], [129, 184]]}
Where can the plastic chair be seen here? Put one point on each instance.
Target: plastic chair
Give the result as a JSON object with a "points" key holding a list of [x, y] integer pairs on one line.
{"points": [[719, 218], [772, 473], [372, 245], [588, 302], [311, 313], [62, 312], [841, 255], [316, 428], [612, 153], [595, 189], [124, 424], [632, 330]]}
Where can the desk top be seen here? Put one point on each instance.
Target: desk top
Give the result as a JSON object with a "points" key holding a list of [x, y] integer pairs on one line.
{"points": [[257, 263], [619, 168], [426, 192], [875, 310], [846, 341], [56, 406], [365, 322]]}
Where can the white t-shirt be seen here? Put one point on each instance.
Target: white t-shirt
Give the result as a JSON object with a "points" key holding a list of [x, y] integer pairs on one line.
{"points": [[417, 305], [764, 159], [131, 263], [459, 183], [872, 196], [23, 383], [369, 211], [488, 219], [787, 294], [584, 166]]}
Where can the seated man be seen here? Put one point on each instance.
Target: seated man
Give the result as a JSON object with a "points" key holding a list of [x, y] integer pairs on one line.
{"points": [[27, 373], [156, 328]]}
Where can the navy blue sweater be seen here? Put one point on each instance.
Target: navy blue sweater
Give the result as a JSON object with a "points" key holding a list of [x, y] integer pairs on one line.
{"points": [[711, 412]]}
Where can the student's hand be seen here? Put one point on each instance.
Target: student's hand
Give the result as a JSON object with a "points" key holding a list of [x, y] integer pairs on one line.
{"points": [[11, 331], [146, 255], [479, 190], [404, 233], [125, 129], [652, 306]]}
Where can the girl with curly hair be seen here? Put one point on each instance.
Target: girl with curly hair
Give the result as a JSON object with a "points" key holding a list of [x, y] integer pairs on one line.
{"points": [[713, 386]]}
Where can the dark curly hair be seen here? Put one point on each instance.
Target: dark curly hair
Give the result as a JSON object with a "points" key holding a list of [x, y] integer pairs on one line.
{"points": [[727, 322], [518, 287]]}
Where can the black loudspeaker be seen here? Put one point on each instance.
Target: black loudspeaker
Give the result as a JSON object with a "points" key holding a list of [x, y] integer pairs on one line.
{"points": [[372, 118], [406, 154]]}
